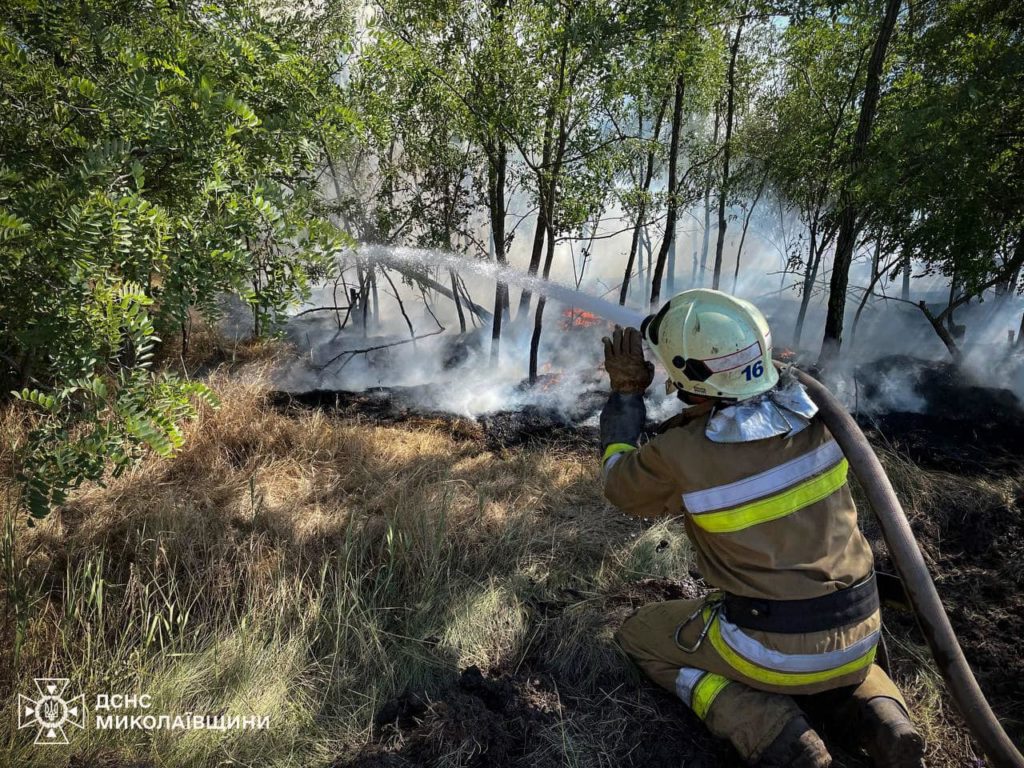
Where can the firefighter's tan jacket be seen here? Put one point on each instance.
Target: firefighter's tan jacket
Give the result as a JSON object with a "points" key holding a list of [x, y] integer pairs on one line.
{"points": [[769, 519]]}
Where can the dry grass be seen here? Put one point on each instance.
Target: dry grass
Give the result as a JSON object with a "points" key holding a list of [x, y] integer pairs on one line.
{"points": [[296, 567], [309, 569]]}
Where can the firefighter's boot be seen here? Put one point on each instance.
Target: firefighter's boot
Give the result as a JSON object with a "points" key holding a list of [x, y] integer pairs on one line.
{"points": [[797, 746], [768, 730], [888, 735]]}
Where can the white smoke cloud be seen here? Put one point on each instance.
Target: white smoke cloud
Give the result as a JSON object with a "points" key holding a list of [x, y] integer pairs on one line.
{"points": [[455, 373]]}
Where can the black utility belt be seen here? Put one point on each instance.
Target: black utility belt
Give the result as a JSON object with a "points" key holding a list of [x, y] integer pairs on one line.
{"points": [[815, 614]]}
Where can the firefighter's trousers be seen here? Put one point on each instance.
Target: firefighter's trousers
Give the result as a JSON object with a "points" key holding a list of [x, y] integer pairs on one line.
{"points": [[735, 706]]}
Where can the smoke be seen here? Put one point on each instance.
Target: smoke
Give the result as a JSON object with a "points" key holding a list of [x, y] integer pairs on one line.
{"points": [[456, 373]]}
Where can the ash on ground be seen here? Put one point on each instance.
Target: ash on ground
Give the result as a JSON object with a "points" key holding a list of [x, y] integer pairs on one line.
{"points": [[940, 415]]}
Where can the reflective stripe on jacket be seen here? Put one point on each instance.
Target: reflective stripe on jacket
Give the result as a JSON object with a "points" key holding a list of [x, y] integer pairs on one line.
{"points": [[769, 519]]}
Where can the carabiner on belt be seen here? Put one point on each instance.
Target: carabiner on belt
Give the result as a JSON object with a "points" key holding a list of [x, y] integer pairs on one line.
{"points": [[714, 604]]}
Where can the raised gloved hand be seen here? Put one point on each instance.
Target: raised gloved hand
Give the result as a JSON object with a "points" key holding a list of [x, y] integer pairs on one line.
{"points": [[624, 360]]}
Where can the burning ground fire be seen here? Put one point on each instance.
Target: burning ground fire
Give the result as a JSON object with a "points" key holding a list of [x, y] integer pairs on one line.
{"points": [[573, 318]]}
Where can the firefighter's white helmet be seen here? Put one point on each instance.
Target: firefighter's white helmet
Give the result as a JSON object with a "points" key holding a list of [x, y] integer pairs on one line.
{"points": [[713, 344]]}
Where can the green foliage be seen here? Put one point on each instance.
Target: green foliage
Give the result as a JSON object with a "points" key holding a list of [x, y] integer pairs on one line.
{"points": [[108, 415], [946, 178], [154, 156], [941, 187]]}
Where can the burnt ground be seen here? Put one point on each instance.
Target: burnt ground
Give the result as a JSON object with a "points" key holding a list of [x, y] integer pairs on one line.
{"points": [[975, 547], [530, 425], [963, 427]]}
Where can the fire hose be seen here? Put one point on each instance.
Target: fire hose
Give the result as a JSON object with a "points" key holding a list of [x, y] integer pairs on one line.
{"points": [[921, 593]]}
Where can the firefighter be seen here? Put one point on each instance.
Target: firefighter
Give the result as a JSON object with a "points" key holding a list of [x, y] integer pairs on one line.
{"points": [[761, 488]]}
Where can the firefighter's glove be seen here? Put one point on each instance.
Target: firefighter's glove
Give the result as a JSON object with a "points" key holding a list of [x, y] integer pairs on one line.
{"points": [[624, 360]]}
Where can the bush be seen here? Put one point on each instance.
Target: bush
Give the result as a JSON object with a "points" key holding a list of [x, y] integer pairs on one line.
{"points": [[154, 156]]}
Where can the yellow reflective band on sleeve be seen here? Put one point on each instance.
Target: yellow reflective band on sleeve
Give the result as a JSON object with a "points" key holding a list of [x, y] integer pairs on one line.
{"points": [[616, 448], [773, 507], [773, 677], [705, 693]]}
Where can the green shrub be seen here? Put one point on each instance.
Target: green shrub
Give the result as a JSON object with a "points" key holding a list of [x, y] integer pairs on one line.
{"points": [[153, 156]]}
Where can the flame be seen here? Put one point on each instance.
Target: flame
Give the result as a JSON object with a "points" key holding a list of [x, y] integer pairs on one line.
{"points": [[548, 378], [579, 318], [786, 354]]}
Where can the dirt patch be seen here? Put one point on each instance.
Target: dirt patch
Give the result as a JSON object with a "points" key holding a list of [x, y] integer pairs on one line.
{"points": [[479, 721], [975, 547], [529, 716]]}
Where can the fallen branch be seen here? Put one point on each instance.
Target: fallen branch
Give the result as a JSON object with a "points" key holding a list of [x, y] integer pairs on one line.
{"points": [[468, 299], [364, 350], [426, 305], [320, 309], [419, 277]]}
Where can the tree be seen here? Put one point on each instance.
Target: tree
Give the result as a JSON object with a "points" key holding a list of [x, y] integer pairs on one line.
{"points": [[802, 130], [152, 158], [848, 209], [694, 75], [730, 112], [943, 183], [573, 187], [673, 183]]}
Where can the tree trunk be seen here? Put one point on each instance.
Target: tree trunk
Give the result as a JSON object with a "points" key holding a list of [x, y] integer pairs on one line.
{"points": [[401, 306], [634, 245], [642, 210], [743, 234], [950, 322], [538, 319], [670, 277], [546, 185], [707, 203], [635, 240], [876, 275], [640, 273], [496, 166], [538, 234], [905, 292], [813, 260], [673, 199], [723, 196], [376, 299], [364, 293], [847, 237], [645, 236], [458, 301], [1007, 289], [941, 330]]}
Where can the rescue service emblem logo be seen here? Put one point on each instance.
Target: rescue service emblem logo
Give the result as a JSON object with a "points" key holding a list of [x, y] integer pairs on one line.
{"points": [[51, 713]]}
